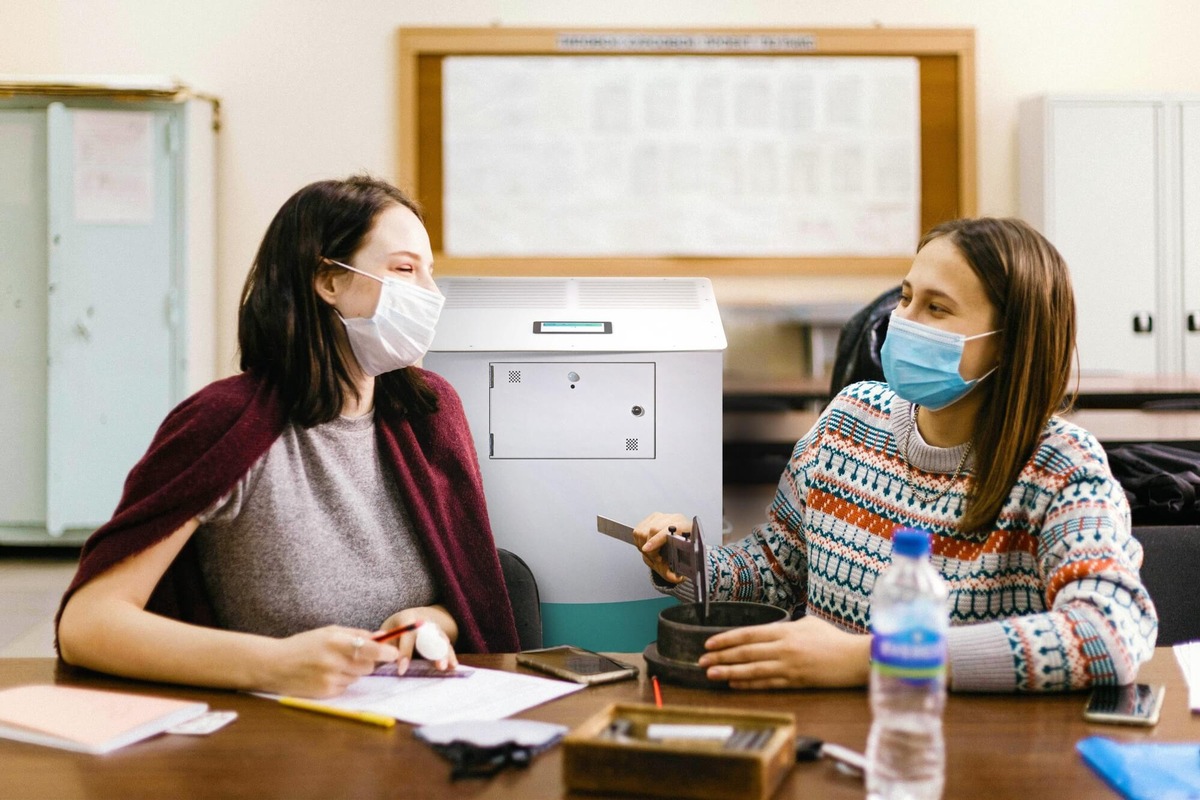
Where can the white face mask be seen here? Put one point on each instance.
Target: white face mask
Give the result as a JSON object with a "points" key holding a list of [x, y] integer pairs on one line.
{"points": [[400, 331]]}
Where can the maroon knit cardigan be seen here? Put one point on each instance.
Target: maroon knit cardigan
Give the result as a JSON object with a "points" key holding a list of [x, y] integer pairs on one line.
{"points": [[209, 441]]}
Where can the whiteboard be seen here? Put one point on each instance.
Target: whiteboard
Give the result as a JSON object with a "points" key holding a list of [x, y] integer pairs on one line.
{"points": [[699, 156]]}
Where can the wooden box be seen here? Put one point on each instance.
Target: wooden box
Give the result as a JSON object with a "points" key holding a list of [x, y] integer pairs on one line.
{"points": [[611, 752]]}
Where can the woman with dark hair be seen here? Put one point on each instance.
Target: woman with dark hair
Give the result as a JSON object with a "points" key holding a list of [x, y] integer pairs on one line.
{"points": [[328, 491], [1029, 527]]}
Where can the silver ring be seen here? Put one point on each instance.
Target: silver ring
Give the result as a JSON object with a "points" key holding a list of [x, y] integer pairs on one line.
{"points": [[358, 643]]}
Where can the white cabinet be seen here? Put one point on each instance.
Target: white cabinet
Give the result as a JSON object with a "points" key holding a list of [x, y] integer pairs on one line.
{"points": [[106, 295], [1114, 183]]}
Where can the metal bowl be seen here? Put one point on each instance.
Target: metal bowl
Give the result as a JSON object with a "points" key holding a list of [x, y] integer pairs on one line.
{"points": [[681, 638]]}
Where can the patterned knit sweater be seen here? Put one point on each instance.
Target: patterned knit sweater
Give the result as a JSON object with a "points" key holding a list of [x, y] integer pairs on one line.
{"points": [[1049, 599]]}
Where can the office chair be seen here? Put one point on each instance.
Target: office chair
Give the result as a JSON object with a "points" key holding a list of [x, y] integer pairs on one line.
{"points": [[1170, 564], [523, 594], [857, 355]]}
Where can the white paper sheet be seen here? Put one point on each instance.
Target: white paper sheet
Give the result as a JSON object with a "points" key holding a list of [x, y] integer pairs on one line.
{"points": [[1188, 655], [703, 155], [114, 166], [486, 694]]}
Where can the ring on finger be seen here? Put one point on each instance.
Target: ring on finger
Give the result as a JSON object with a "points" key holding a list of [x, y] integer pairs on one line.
{"points": [[358, 643]]}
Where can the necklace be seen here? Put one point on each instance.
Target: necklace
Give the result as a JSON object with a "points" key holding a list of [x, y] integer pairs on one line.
{"points": [[922, 494]]}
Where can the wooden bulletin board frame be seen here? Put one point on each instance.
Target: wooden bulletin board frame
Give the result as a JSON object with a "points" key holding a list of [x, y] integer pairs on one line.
{"points": [[947, 97]]}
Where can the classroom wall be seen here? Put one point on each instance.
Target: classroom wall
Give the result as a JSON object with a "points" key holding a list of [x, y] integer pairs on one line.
{"points": [[308, 86]]}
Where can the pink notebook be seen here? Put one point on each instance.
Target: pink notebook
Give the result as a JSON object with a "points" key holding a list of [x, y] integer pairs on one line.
{"points": [[87, 720]]}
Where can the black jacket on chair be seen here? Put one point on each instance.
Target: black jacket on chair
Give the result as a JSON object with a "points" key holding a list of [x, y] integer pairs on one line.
{"points": [[857, 355]]}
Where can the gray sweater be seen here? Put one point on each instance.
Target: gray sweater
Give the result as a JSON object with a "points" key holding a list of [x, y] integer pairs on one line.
{"points": [[314, 534]]}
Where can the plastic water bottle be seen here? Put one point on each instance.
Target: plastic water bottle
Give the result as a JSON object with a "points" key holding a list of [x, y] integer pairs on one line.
{"points": [[906, 755]]}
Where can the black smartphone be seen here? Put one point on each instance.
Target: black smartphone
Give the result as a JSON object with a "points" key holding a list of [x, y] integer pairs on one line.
{"points": [[576, 664], [1131, 704]]}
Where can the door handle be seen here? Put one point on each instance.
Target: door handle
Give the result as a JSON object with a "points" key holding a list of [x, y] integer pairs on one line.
{"points": [[1143, 322], [1193, 322]]}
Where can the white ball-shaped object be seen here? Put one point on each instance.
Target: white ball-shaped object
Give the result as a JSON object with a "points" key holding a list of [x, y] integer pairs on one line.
{"points": [[431, 643]]}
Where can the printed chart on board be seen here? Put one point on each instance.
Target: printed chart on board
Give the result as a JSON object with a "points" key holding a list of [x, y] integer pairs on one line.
{"points": [[666, 155]]}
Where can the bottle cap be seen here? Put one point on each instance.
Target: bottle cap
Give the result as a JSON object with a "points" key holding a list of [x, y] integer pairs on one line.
{"points": [[910, 542]]}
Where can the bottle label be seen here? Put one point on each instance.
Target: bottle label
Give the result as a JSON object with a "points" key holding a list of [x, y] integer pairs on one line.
{"points": [[915, 654]]}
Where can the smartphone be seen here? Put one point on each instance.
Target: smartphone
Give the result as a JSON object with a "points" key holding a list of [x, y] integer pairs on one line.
{"points": [[1131, 704], [576, 664]]}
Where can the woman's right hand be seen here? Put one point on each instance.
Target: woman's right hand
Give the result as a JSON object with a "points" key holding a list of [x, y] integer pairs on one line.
{"points": [[651, 534], [323, 662]]}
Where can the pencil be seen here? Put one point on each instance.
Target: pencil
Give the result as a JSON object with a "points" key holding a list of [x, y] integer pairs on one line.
{"points": [[657, 691], [394, 632], [359, 716]]}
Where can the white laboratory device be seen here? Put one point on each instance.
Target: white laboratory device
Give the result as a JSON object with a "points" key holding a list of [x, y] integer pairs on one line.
{"points": [[586, 397]]}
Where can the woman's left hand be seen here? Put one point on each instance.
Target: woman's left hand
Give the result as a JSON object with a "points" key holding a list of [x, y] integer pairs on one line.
{"points": [[808, 652], [434, 617]]}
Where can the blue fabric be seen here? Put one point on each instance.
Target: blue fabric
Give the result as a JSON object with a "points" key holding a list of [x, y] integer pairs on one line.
{"points": [[1145, 771], [921, 363]]}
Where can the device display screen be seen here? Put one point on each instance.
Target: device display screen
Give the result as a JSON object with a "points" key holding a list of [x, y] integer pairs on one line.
{"points": [[1134, 704], [571, 326], [577, 660], [576, 663]]}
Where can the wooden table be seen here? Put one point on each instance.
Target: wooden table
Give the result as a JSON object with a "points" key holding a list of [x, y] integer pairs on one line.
{"points": [[997, 746]]}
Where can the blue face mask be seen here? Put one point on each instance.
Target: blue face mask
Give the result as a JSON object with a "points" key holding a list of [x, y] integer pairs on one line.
{"points": [[921, 363]]}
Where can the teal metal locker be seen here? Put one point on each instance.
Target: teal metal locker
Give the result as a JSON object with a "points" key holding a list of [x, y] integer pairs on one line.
{"points": [[106, 229]]}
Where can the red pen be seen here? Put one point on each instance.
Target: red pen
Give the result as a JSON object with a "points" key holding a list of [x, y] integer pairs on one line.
{"points": [[394, 632]]}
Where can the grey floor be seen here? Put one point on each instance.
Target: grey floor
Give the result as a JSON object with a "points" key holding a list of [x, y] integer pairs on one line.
{"points": [[33, 579], [31, 582]]}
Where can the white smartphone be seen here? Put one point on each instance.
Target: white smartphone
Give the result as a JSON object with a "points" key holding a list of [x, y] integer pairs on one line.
{"points": [[1131, 704], [576, 664]]}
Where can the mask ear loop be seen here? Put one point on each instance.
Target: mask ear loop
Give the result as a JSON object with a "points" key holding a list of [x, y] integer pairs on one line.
{"points": [[354, 269], [975, 381]]}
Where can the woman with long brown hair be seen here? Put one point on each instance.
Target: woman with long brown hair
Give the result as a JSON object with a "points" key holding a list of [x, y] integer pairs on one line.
{"points": [[1029, 527], [328, 491]]}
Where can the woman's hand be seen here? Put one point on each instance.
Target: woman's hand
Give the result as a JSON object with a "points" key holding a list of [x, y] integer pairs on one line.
{"points": [[435, 618], [808, 652], [651, 534], [323, 662]]}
